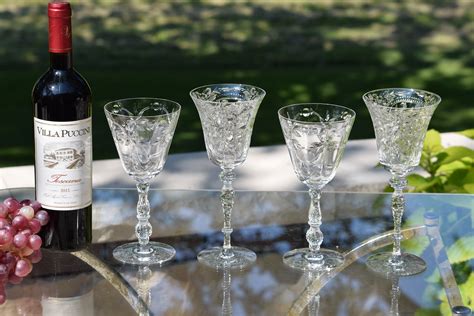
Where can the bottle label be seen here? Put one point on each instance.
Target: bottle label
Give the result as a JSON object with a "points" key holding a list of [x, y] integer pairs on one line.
{"points": [[63, 164]]}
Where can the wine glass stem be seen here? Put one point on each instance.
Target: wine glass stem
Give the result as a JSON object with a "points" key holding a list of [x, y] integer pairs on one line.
{"points": [[227, 201], [143, 228], [314, 236], [398, 183]]}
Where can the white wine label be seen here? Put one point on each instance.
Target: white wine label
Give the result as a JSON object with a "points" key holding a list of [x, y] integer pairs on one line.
{"points": [[63, 164]]}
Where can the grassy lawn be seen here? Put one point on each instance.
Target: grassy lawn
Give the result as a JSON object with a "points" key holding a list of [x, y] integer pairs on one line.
{"points": [[298, 52]]}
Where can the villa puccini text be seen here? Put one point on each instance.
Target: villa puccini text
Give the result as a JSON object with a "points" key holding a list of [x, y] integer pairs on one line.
{"points": [[63, 133]]}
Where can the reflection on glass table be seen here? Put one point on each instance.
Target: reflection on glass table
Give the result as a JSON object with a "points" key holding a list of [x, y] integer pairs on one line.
{"points": [[439, 228]]}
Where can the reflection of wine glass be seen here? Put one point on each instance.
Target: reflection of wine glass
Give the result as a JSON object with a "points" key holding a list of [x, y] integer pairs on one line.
{"points": [[227, 113], [394, 296], [226, 292], [116, 280], [400, 118], [313, 305], [315, 134], [142, 129], [144, 275]]}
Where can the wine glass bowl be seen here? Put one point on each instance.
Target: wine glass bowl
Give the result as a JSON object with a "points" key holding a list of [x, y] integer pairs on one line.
{"points": [[400, 117], [316, 135], [227, 113], [142, 135], [142, 129]]}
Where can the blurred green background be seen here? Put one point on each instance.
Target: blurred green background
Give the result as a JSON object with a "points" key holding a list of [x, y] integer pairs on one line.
{"points": [[327, 51]]}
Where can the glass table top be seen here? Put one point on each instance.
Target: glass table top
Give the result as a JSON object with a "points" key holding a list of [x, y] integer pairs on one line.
{"points": [[438, 227]]}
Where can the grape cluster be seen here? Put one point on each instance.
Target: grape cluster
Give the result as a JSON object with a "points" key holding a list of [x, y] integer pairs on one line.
{"points": [[19, 244]]}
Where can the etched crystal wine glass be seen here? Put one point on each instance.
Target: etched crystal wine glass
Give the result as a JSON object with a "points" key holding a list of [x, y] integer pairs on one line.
{"points": [[227, 113], [142, 129], [400, 118], [316, 135]]}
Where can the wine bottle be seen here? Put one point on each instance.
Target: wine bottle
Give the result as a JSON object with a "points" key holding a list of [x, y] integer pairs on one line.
{"points": [[63, 140]]}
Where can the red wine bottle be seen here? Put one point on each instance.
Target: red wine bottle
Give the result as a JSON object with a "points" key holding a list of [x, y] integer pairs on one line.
{"points": [[63, 140]]}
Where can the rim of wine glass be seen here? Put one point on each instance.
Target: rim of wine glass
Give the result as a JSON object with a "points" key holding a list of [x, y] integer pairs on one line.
{"points": [[178, 109], [351, 111], [437, 97], [262, 93]]}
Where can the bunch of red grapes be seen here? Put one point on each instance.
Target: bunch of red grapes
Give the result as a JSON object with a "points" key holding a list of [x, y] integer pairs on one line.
{"points": [[19, 244]]}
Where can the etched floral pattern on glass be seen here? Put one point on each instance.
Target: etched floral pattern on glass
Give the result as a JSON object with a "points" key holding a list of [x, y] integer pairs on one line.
{"points": [[142, 129], [227, 113], [315, 143], [400, 117], [143, 141], [316, 135]]}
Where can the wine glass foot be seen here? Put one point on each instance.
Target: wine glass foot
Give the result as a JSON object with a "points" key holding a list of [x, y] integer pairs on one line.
{"points": [[409, 264], [298, 259], [240, 258], [156, 253]]}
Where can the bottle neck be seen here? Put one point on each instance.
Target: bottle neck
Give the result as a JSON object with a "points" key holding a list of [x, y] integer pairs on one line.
{"points": [[60, 35], [61, 61]]}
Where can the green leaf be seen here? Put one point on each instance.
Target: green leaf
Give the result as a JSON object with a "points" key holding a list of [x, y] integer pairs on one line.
{"points": [[432, 142], [461, 250], [420, 183], [427, 312], [469, 179], [425, 161], [469, 161], [388, 189], [416, 180], [467, 291], [453, 153], [453, 188], [468, 133], [469, 188], [459, 178], [439, 157], [450, 167]]}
